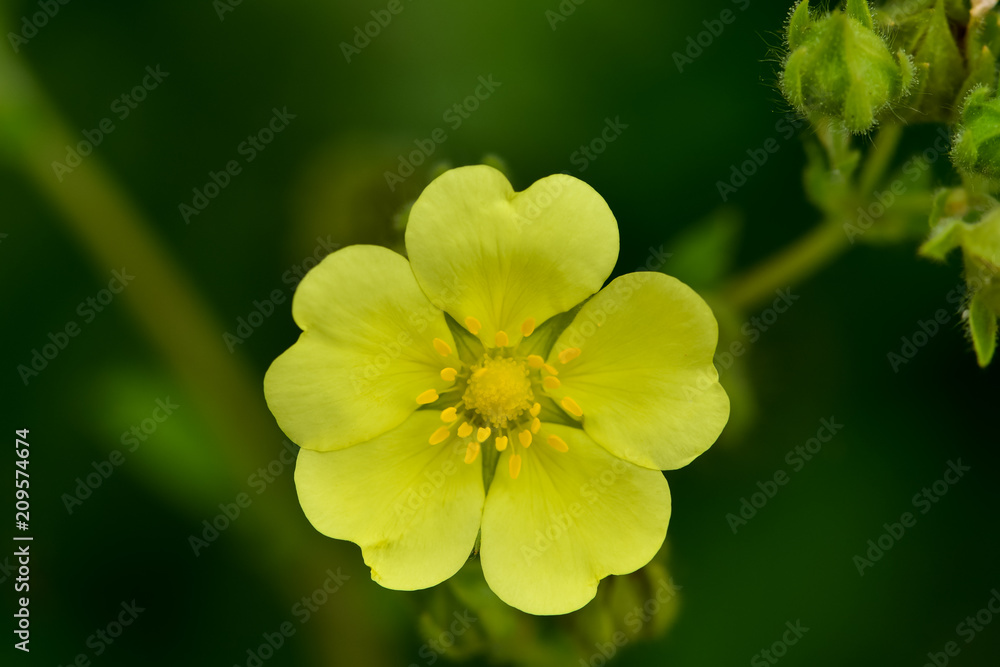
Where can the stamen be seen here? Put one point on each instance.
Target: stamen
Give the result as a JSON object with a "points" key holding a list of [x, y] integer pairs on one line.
{"points": [[449, 415], [535, 409], [465, 430], [551, 369], [557, 443], [471, 452], [551, 382], [473, 325], [483, 433], [428, 396], [571, 406], [448, 374], [501, 339], [535, 361], [569, 354], [536, 424], [525, 438], [514, 466], [501, 443], [442, 347], [440, 435], [528, 327]]}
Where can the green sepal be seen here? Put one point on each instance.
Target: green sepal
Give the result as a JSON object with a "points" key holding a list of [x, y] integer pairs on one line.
{"points": [[945, 237], [860, 12], [982, 328], [798, 23]]}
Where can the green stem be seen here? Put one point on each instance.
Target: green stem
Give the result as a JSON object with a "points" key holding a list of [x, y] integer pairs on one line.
{"points": [[879, 157], [788, 267]]}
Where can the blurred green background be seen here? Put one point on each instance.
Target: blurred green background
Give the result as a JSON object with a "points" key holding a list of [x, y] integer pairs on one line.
{"points": [[319, 183]]}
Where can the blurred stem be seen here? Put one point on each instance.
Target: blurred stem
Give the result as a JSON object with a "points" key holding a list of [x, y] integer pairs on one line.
{"points": [[879, 157], [181, 327], [827, 241], [788, 267]]}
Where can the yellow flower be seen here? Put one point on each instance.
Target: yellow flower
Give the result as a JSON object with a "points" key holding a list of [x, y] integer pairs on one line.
{"points": [[416, 386]]}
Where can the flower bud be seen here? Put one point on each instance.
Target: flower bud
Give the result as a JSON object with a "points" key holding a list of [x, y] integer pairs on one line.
{"points": [[977, 140], [839, 66]]}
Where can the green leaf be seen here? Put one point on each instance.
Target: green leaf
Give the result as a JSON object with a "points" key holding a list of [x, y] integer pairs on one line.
{"points": [[945, 237], [983, 328]]}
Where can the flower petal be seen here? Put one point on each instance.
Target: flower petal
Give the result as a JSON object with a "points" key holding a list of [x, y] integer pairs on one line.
{"points": [[644, 377], [413, 508], [365, 354], [480, 250], [567, 521]]}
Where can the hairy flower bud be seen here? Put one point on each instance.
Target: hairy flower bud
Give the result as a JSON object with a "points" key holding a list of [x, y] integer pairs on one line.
{"points": [[839, 66]]}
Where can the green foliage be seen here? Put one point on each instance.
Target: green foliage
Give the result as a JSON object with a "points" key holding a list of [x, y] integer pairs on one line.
{"points": [[977, 141]]}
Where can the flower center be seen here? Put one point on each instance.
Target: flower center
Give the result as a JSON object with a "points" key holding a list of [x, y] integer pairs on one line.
{"points": [[499, 390]]}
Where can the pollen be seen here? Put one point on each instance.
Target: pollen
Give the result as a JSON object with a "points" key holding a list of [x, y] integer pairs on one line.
{"points": [[569, 354], [499, 391], [473, 325], [426, 397], [571, 406], [514, 466], [557, 443], [442, 347]]}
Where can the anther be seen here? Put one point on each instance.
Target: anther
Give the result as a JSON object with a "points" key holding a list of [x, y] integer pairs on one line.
{"points": [[571, 406], [473, 325], [501, 339], [528, 327], [439, 435], [550, 369], [471, 452], [535, 361], [525, 438], [569, 354], [442, 347], [449, 415], [428, 396], [448, 374], [536, 424], [465, 430], [551, 382], [483, 433], [514, 466], [535, 409], [501, 443], [557, 443]]}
